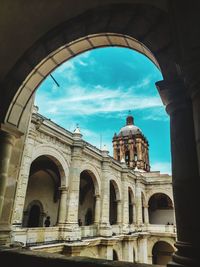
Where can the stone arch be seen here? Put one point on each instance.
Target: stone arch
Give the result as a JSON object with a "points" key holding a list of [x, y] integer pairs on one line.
{"points": [[38, 220], [159, 191], [57, 157], [117, 188], [160, 209], [114, 201], [162, 252], [94, 28], [153, 240], [94, 175], [88, 193], [118, 250], [44, 183]]}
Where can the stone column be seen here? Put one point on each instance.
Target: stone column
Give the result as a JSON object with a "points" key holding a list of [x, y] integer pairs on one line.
{"points": [[105, 228], [131, 151], [134, 213], [8, 136], [125, 204], [119, 211], [20, 197], [97, 209], [63, 205], [138, 203], [6, 144], [185, 172], [115, 152], [195, 94], [72, 230], [121, 146], [146, 214], [127, 248], [139, 153], [142, 249]]}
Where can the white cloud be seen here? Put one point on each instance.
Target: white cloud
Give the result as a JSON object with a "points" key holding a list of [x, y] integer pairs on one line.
{"points": [[156, 114], [79, 100], [163, 167]]}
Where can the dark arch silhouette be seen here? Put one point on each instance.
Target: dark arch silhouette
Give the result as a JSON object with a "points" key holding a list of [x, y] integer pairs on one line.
{"points": [[162, 253], [34, 216], [115, 256], [113, 205]]}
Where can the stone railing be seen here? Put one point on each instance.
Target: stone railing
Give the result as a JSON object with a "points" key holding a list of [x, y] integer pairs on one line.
{"points": [[89, 231], [23, 258], [30, 236], [159, 228]]}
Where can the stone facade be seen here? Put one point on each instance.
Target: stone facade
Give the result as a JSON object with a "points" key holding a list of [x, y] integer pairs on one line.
{"points": [[98, 207]]}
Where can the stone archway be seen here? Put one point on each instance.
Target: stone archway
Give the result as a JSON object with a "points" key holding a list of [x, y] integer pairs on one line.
{"points": [[43, 184], [43, 61], [153, 30], [108, 25], [160, 208], [87, 199], [162, 253], [34, 215]]}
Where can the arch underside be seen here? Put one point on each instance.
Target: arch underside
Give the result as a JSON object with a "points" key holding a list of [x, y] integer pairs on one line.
{"points": [[139, 27]]}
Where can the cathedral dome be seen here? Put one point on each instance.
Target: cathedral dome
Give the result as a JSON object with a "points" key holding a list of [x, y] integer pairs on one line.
{"points": [[129, 129]]}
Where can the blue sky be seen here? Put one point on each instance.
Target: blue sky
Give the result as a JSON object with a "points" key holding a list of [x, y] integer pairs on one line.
{"points": [[98, 88]]}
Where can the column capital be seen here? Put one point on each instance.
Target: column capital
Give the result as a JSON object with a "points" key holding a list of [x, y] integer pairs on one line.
{"points": [[11, 130], [190, 70], [63, 188], [173, 94]]}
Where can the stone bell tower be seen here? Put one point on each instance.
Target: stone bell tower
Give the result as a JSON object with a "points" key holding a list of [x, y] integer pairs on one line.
{"points": [[132, 146]]}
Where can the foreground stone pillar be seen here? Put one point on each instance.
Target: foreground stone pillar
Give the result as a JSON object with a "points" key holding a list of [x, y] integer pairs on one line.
{"points": [[196, 114], [186, 180], [8, 136], [23, 178], [6, 144]]}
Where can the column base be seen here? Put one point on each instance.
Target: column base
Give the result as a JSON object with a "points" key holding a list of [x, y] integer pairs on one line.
{"points": [[5, 235], [70, 232], [186, 256], [105, 230]]}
